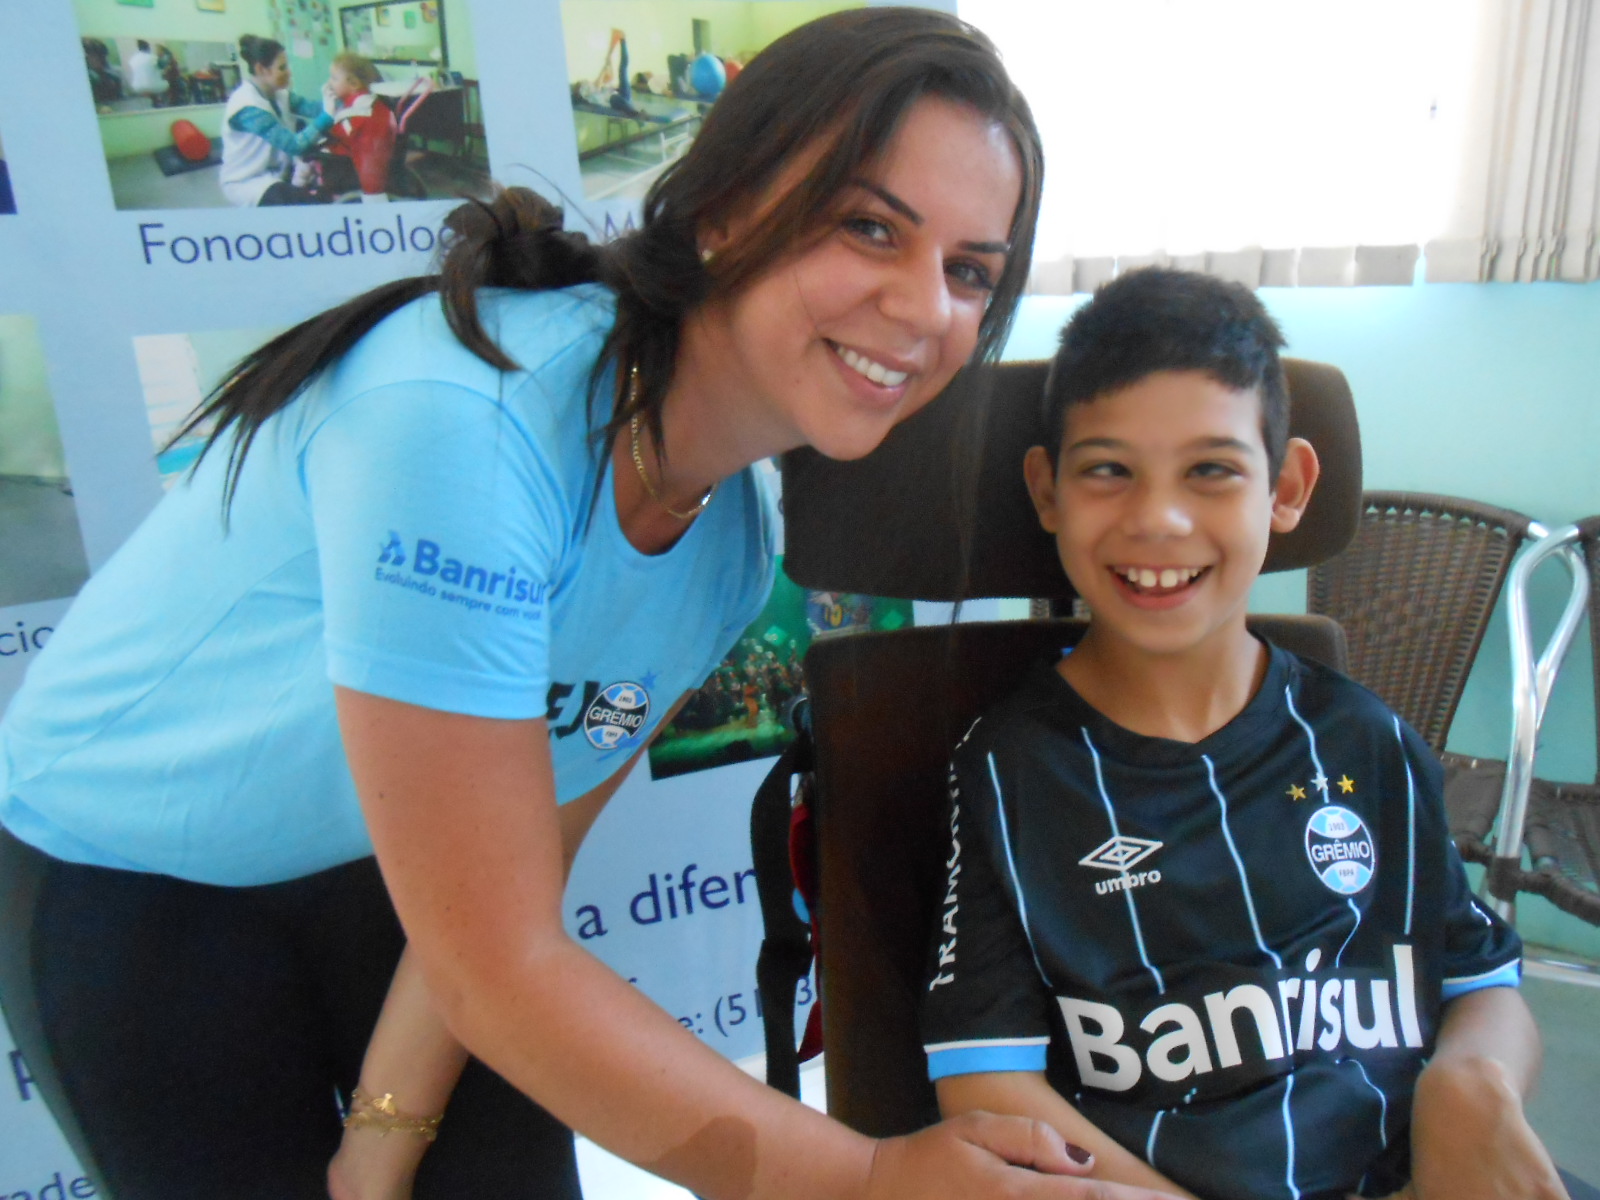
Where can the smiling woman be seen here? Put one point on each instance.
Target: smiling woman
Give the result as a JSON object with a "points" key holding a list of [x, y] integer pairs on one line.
{"points": [[234, 870]]}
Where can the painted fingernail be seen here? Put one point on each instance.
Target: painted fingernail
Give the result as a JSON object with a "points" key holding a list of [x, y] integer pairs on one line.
{"points": [[1078, 1154]]}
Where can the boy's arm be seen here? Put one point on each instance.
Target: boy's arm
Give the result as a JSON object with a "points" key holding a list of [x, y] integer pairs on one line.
{"points": [[1029, 1094], [1470, 1139]]}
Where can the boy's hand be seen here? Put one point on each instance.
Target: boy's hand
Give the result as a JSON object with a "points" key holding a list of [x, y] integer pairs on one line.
{"points": [[1470, 1139], [988, 1155]]}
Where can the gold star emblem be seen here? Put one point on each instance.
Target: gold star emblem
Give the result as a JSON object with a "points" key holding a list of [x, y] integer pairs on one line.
{"points": [[1346, 784], [1296, 792]]}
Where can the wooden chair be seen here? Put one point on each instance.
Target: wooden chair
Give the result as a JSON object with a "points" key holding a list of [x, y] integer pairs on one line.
{"points": [[887, 708]]}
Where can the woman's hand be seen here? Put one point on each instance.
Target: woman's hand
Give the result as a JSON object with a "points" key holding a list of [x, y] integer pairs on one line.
{"points": [[331, 104], [981, 1154], [374, 1166], [1470, 1139]]}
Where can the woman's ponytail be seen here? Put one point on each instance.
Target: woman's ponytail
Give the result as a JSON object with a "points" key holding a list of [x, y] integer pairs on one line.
{"points": [[515, 242]]}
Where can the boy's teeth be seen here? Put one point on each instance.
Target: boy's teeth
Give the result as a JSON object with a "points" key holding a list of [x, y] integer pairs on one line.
{"points": [[874, 371], [1167, 577]]}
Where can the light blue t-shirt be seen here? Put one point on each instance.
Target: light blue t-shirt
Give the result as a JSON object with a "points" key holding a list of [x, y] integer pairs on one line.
{"points": [[419, 526]]}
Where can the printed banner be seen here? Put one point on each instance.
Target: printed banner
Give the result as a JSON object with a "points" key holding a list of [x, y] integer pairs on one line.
{"points": [[153, 229]]}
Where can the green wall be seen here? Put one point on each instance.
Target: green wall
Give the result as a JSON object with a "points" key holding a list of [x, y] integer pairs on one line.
{"points": [[30, 443], [122, 134], [461, 47], [178, 20], [458, 30], [739, 28]]}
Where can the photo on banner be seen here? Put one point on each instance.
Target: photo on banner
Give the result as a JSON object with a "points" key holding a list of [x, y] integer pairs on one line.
{"points": [[41, 549], [185, 123], [177, 371], [742, 712], [642, 76], [8, 203]]}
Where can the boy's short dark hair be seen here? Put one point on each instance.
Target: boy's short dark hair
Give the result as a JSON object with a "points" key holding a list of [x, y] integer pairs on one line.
{"points": [[1158, 319]]}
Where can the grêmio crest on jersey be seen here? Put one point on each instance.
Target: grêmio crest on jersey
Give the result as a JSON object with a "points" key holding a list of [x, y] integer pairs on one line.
{"points": [[1341, 850]]}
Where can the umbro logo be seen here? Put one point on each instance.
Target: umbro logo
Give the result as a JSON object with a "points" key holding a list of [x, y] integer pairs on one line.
{"points": [[1119, 853]]}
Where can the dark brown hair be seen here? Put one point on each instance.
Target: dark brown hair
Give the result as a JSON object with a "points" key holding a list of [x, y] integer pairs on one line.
{"points": [[1160, 319], [259, 52], [844, 81]]}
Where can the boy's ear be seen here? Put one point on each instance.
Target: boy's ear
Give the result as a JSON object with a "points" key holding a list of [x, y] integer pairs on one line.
{"points": [[1296, 480], [1039, 469]]}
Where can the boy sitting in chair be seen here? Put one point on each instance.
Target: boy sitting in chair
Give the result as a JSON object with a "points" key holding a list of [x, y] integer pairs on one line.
{"points": [[1203, 915]]}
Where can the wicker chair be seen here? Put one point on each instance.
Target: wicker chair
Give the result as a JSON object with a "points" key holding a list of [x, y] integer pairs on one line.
{"points": [[1414, 592]]}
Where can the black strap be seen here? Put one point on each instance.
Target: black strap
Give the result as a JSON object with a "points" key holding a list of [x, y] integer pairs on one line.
{"points": [[785, 957]]}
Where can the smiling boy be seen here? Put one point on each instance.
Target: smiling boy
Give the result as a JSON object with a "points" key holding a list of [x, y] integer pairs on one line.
{"points": [[1203, 915]]}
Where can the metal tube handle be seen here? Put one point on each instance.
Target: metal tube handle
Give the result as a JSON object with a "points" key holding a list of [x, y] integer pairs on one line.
{"points": [[1531, 683]]}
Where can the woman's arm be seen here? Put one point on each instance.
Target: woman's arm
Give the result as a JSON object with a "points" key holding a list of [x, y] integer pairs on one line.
{"points": [[464, 823], [1469, 1137], [310, 110], [414, 1060], [1029, 1094], [412, 1057], [267, 127]]}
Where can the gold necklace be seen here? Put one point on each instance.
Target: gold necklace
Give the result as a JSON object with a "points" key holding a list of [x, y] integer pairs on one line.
{"points": [[644, 477]]}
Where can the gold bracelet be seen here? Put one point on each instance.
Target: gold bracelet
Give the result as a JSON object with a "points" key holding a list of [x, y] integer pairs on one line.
{"points": [[378, 1112]]}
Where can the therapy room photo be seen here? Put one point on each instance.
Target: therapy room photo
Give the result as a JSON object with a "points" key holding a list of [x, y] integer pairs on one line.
{"points": [[642, 76], [41, 554], [176, 372], [218, 103], [8, 204]]}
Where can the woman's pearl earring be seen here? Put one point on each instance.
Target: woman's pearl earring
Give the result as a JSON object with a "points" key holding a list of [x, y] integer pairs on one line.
{"points": [[707, 254]]}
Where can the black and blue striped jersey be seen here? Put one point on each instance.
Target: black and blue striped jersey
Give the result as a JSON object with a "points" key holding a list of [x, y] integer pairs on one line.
{"points": [[1232, 955]]}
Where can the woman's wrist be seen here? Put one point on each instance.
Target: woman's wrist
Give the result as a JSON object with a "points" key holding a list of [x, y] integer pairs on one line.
{"points": [[382, 1113]]}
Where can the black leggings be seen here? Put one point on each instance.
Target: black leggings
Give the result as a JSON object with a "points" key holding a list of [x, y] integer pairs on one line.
{"points": [[190, 1039]]}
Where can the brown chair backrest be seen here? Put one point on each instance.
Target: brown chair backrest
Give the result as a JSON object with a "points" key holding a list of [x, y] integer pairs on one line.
{"points": [[1414, 591], [891, 524], [886, 710]]}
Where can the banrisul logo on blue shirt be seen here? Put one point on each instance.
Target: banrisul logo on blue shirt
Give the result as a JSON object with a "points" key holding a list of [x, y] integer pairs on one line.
{"points": [[394, 552], [427, 568], [1340, 849], [616, 716]]}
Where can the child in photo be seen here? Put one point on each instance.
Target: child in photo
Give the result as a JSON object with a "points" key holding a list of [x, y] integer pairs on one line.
{"points": [[1203, 915], [363, 128]]}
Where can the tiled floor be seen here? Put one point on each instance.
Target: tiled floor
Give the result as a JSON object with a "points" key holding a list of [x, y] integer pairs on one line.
{"points": [[1566, 1109]]}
